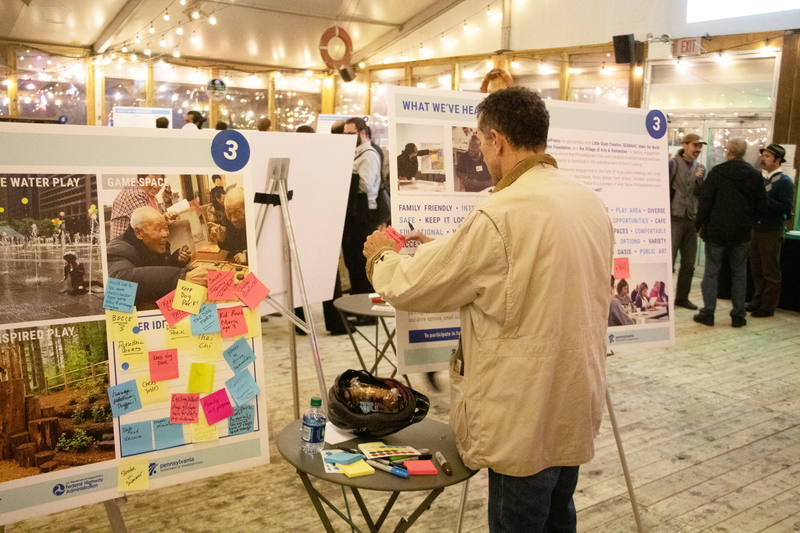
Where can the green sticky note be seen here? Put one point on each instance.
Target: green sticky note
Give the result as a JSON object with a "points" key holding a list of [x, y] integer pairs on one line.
{"points": [[201, 378]]}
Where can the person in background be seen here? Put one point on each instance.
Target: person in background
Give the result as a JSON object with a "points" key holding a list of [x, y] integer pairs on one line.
{"points": [[134, 196], [338, 127], [221, 126], [616, 313], [407, 162], [231, 235], [767, 238], [471, 169], [215, 211], [305, 128], [75, 272], [162, 122], [622, 293], [685, 179], [264, 124], [495, 80], [658, 296], [642, 301], [732, 199], [194, 119]]}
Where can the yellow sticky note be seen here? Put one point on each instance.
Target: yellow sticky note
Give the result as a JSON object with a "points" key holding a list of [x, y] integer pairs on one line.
{"points": [[179, 335], [202, 432], [121, 325], [253, 320], [151, 392], [133, 474], [208, 346], [201, 378], [359, 468], [189, 297], [132, 351]]}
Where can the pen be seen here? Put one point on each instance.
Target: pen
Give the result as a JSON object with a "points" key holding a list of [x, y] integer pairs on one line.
{"points": [[444, 464], [399, 472], [410, 226], [388, 463]]}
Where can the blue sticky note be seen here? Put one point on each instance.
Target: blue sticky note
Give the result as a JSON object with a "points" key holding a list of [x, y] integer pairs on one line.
{"points": [[242, 387], [167, 435], [242, 420], [239, 355], [206, 320], [124, 398], [120, 295], [136, 438], [343, 458]]}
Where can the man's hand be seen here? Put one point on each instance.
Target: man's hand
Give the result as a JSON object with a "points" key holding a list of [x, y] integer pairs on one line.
{"points": [[171, 216], [240, 258], [218, 233], [185, 255], [198, 275], [375, 242], [417, 235]]}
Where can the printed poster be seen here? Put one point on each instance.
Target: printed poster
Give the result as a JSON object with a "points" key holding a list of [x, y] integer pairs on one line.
{"points": [[620, 153]]}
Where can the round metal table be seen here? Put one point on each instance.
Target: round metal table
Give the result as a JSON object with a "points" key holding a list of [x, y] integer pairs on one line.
{"points": [[360, 305]]}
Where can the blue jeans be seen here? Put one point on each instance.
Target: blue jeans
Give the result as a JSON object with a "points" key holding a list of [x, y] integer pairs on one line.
{"points": [[541, 503], [737, 256]]}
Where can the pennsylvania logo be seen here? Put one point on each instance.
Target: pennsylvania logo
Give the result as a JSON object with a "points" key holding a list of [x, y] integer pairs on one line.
{"points": [[153, 469], [611, 339]]}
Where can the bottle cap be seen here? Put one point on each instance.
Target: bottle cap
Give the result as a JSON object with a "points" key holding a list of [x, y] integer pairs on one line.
{"points": [[316, 401]]}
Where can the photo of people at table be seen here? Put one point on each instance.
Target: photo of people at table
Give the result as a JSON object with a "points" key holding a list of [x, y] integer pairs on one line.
{"points": [[420, 164], [640, 299], [162, 228], [471, 172]]}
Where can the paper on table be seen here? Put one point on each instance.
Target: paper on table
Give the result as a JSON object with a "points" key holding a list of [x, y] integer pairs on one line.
{"points": [[151, 392], [334, 435], [202, 432], [133, 474], [208, 347], [232, 321], [330, 468], [171, 315], [119, 295], [242, 387], [164, 365], [201, 378], [136, 438], [189, 297], [239, 355], [184, 408], [251, 291], [220, 285], [179, 207], [206, 320], [124, 398], [167, 435]]}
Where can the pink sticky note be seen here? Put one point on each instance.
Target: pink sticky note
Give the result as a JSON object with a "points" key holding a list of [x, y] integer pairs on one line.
{"points": [[251, 291], [220, 285], [184, 409], [217, 406], [172, 316], [422, 467], [232, 321], [622, 269], [399, 240], [163, 364]]}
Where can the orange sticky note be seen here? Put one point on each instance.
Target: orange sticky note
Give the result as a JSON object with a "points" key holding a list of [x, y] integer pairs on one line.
{"points": [[184, 409], [399, 240], [220, 285], [171, 315], [622, 269], [251, 291], [232, 321], [163, 365]]}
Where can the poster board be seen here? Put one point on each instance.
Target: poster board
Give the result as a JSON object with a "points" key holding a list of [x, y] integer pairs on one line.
{"points": [[140, 117], [614, 151], [55, 326]]}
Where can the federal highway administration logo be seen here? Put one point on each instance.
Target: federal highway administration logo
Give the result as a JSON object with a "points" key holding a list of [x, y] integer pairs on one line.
{"points": [[59, 489]]}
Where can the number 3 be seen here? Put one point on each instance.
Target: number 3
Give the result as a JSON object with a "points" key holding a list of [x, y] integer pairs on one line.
{"points": [[656, 126], [232, 147]]}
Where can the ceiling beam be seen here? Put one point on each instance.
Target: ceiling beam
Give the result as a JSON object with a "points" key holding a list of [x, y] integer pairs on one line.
{"points": [[111, 30], [425, 16], [343, 18]]}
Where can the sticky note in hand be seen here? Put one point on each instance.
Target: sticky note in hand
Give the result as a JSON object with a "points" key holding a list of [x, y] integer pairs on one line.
{"points": [[399, 240]]}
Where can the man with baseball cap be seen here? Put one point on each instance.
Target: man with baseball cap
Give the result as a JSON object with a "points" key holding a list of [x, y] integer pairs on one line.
{"points": [[685, 179], [767, 238]]}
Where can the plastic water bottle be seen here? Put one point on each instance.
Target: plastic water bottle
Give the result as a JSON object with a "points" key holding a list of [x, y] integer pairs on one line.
{"points": [[313, 433]]}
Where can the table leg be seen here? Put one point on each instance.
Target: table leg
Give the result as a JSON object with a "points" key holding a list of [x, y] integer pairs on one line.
{"points": [[404, 524], [463, 505], [364, 511], [312, 493], [386, 509], [352, 339]]}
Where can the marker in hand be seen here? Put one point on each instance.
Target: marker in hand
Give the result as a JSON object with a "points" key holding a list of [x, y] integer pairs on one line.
{"points": [[443, 463]]}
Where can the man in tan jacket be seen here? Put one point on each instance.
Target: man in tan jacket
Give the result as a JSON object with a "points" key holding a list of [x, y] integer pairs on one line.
{"points": [[529, 271]]}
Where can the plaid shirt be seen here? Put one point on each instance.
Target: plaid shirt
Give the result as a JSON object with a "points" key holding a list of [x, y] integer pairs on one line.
{"points": [[130, 199]]}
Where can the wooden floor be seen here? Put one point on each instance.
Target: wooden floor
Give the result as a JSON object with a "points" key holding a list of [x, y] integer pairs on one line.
{"points": [[711, 429]]}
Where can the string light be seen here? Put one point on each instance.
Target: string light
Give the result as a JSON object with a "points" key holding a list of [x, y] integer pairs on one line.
{"points": [[176, 54], [194, 37], [152, 29], [603, 69], [179, 30], [147, 51], [465, 27], [489, 11], [195, 15], [421, 49], [133, 57], [124, 49], [137, 40], [166, 14], [163, 41], [442, 38], [183, 2], [112, 56], [212, 20]]}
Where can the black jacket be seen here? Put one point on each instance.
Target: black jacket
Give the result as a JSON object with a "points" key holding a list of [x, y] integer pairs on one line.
{"points": [[731, 200], [130, 260]]}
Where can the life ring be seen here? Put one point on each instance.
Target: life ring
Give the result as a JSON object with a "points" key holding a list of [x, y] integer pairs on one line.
{"points": [[329, 34]]}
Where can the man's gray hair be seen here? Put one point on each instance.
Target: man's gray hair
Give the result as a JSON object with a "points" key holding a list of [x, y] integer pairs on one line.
{"points": [[143, 216], [737, 148]]}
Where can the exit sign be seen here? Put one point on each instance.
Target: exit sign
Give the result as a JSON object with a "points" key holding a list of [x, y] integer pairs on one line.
{"points": [[689, 47]]}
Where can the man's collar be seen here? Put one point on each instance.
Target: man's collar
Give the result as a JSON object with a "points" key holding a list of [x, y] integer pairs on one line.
{"points": [[363, 146], [770, 175], [522, 167]]}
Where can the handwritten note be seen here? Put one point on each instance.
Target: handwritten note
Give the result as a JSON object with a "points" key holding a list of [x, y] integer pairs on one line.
{"points": [[242, 387], [184, 408], [133, 474], [399, 240], [121, 325], [167, 435], [189, 297], [206, 320], [136, 438], [242, 420], [133, 352], [622, 269], [202, 431], [220, 285], [151, 392], [201, 378], [171, 315], [120, 295], [179, 335], [208, 347], [164, 365], [124, 398], [232, 321], [251, 291], [239, 355], [217, 406]]}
